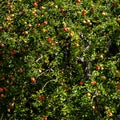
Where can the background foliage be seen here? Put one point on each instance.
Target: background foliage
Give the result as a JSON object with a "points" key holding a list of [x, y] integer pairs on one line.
{"points": [[60, 59]]}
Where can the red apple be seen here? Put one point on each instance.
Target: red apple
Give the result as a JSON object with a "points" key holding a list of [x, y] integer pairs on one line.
{"points": [[2, 95], [41, 97], [45, 22], [5, 89], [20, 70], [49, 39], [35, 4], [62, 10], [94, 83], [1, 89], [81, 83], [62, 72], [66, 29], [38, 0], [33, 80], [45, 118], [118, 86], [12, 104], [3, 77], [97, 67], [78, 1], [67, 89], [2, 45], [114, 4], [84, 12], [10, 6]]}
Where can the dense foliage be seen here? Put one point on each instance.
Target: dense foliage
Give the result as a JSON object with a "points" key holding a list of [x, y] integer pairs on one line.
{"points": [[60, 59]]}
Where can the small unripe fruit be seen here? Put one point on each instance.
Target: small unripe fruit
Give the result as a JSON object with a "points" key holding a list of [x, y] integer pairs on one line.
{"points": [[103, 77], [25, 32], [93, 107], [88, 94], [104, 14], [29, 25], [40, 71], [101, 56], [118, 20]]}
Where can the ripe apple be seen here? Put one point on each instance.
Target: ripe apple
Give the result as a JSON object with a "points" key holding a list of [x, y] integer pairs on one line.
{"points": [[94, 83], [114, 4], [118, 86], [1, 27], [2, 95], [2, 45], [10, 6], [62, 10], [35, 4], [33, 80], [81, 83], [78, 1], [7, 18], [45, 22], [49, 39], [41, 97], [20, 70], [118, 92], [38, 24], [23, 49], [97, 67], [62, 72], [84, 12], [67, 89], [38, 0], [67, 44], [1, 89], [65, 28], [12, 104], [45, 118], [5, 89], [13, 52], [3, 77]]}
